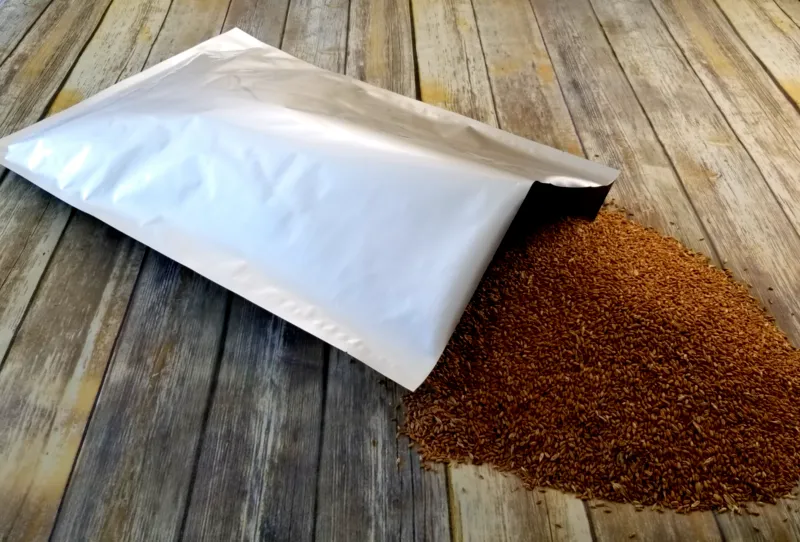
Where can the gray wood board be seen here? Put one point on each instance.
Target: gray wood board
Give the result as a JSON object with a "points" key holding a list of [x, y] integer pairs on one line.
{"points": [[133, 474], [257, 473]]}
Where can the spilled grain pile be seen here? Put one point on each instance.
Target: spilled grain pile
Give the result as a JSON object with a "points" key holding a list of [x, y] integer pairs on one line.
{"points": [[603, 359]]}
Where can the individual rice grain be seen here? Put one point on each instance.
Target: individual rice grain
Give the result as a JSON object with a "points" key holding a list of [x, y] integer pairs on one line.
{"points": [[606, 360]]}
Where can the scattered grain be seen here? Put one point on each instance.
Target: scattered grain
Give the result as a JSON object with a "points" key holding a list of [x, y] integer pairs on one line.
{"points": [[604, 359]]}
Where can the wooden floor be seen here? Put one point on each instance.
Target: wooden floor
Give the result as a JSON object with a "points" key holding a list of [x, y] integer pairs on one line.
{"points": [[138, 401]]}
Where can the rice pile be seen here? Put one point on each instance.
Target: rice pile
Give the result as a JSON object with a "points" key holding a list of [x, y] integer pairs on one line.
{"points": [[606, 360]]}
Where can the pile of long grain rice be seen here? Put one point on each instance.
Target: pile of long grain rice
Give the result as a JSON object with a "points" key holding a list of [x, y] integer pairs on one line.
{"points": [[606, 360]]}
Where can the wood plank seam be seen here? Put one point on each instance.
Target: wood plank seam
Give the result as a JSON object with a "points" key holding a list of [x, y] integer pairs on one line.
{"points": [[207, 409], [347, 38], [417, 87], [727, 121], [327, 352], [788, 14], [454, 514], [715, 256], [758, 58], [222, 26]]}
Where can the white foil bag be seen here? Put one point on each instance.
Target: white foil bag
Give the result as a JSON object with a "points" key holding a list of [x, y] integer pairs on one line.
{"points": [[363, 217]]}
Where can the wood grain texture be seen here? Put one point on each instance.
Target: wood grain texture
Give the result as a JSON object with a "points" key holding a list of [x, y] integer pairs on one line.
{"points": [[132, 477], [611, 123], [623, 522], [31, 222], [791, 8], [262, 19], [494, 506], [316, 31], [765, 121], [257, 473], [118, 49], [34, 222], [527, 95], [34, 72], [380, 49], [774, 524], [452, 72], [54, 370], [188, 23], [368, 482], [17, 17], [772, 36]]}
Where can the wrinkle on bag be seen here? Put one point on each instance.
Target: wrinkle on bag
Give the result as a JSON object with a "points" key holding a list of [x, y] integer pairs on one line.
{"points": [[361, 216]]}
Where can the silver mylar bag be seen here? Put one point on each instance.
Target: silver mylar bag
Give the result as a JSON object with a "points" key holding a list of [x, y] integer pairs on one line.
{"points": [[363, 217]]}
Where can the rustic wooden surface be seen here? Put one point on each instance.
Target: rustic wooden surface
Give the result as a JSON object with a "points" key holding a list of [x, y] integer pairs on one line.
{"points": [[140, 402]]}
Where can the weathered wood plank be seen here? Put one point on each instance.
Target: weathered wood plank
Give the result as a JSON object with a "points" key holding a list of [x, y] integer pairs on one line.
{"points": [[769, 526], [118, 49], [54, 370], [452, 73], [791, 8], [132, 476], [33, 73], [491, 506], [369, 482], [611, 124], [623, 522], [763, 119], [28, 81], [380, 49], [257, 473], [432, 520], [316, 31], [17, 16], [263, 19], [528, 98], [772, 36], [188, 23], [32, 223], [767, 124]]}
